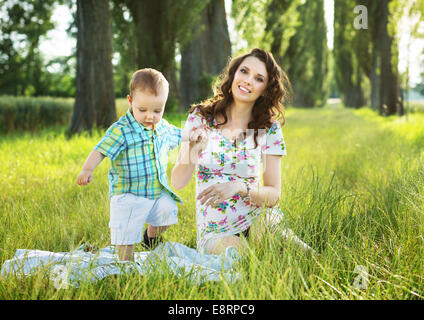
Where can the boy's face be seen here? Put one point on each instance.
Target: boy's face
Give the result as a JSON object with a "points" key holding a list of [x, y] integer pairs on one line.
{"points": [[147, 108]]}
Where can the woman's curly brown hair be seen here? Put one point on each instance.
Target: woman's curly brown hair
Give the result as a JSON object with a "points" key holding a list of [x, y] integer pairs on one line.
{"points": [[267, 108]]}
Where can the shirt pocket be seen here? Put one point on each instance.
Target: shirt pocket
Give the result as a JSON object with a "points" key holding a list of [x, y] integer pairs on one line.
{"points": [[139, 161]]}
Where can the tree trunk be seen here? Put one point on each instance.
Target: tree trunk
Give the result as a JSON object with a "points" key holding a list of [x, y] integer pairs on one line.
{"points": [[354, 95], [95, 99], [347, 44], [192, 66], [306, 57], [383, 75], [276, 23], [375, 84], [206, 55], [156, 43], [389, 91]]}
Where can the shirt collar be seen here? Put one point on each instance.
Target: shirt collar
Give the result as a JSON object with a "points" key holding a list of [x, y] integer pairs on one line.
{"points": [[159, 128]]}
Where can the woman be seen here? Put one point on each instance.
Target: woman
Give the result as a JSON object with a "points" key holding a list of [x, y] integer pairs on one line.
{"points": [[228, 138]]}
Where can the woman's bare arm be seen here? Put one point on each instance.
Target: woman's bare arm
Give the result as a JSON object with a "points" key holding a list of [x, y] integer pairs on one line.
{"points": [[192, 144], [269, 193]]}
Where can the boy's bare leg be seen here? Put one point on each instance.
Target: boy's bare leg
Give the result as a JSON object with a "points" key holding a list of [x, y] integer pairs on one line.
{"points": [[153, 232], [125, 252]]}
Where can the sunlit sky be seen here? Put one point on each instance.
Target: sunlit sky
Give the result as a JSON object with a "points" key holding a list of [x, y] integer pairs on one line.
{"points": [[58, 43]]}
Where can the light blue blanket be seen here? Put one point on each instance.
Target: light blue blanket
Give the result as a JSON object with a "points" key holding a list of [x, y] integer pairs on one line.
{"points": [[71, 268]]}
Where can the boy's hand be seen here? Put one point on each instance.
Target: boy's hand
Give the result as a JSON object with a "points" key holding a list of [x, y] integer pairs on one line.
{"points": [[84, 177], [93, 160], [198, 138]]}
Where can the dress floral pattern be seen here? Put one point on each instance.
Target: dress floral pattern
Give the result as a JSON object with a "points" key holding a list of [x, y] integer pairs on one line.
{"points": [[222, 161]]}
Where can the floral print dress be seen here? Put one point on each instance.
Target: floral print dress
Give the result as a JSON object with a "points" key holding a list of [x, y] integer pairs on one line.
{"points": [[223, 161]]}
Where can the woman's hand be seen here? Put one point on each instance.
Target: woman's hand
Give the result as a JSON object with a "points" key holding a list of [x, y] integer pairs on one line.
{"points": [[217, 193]]}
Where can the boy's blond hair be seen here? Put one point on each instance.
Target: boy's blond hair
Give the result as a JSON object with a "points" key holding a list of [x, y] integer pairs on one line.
{"points": [[148, 80]]}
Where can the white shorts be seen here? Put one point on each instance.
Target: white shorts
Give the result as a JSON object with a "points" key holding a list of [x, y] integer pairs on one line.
{"points": [[129, 213]]}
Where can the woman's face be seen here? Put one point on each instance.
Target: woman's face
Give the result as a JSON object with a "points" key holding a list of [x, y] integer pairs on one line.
{"points": [[250, 80]]}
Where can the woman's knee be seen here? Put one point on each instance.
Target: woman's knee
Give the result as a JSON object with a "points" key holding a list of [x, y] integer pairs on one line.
{"points": [[219, 245], [264, 224]]}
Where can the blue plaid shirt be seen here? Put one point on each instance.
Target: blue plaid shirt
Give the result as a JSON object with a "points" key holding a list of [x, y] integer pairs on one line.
{"points": [[139, 157]]}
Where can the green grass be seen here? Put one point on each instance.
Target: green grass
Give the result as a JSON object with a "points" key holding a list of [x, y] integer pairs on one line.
{"points": [[352, 188]]}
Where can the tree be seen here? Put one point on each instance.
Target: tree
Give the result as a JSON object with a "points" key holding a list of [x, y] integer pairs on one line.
{"points": [[390, 102], [295, 32], [348, 46], [123, 43], [306, 59], [206, 55], [281, 20], [160, 26], [380, 62], [249, 17], [413, 10], [370, 53], [94, 101], [21, 63]]}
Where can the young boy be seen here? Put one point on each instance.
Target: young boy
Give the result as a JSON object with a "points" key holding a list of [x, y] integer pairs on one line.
{"points": [[138, 145]]}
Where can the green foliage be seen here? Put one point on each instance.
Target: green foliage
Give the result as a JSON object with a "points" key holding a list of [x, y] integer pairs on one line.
{"points": [[351, 54], [33, 114], [146, 34], [295, 32], [417, 10], [124, 44], [398, 9], [267, 24], [249, 17], [183, 15], [306, 59], [171, 105], [206, 82], [282, 20], [21, 63], [24, 113]]}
